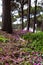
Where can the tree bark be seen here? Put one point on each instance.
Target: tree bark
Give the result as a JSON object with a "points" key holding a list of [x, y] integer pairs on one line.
{"points": [[22, 13], [6, 18], [35, 20], [42, 16], [28, 18]]}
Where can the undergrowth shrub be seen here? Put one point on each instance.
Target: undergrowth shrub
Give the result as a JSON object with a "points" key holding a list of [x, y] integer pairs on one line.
{"points": [[3, 39], [35, 40]]}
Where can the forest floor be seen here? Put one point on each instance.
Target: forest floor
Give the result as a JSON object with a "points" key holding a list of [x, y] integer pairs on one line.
{"points": [[12, 53]]}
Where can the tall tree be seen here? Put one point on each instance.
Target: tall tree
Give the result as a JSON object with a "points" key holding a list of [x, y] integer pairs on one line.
{"points": [[42, 14], [35, 20], [22, 12], [6, 18], [28, 18]]}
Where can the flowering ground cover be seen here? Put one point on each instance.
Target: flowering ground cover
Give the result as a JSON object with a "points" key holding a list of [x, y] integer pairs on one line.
{"points": [[24, 50]]}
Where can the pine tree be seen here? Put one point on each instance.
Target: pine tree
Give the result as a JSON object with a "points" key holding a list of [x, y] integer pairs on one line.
{"points": [[35, 20], [6, 18], [28, 18]]}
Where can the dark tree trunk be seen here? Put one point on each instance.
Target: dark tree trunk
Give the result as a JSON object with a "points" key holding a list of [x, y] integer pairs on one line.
{"points": [[22, 13], [6, 18], [42, 16], [35, 20], [28, 18], [42, 24]]}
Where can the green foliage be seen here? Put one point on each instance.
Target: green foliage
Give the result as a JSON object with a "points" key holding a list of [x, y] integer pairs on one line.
{"points": [[26, 49], [39, 9], [1, 49], [39, 18], [25, 63], [13, 18], [35, 41], [3, 39], [33, 36]]}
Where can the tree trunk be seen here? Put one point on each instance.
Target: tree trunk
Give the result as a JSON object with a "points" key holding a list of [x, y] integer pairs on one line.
{"points": [[6, 18], [28, 18], [42, 14], [35, 20], [22, 13]]}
